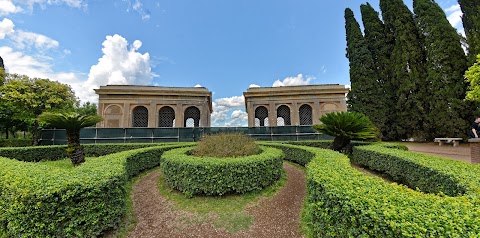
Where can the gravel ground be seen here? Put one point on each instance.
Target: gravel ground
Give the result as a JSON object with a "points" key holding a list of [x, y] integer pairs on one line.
{"points": [[461, 152], [278, 216]]}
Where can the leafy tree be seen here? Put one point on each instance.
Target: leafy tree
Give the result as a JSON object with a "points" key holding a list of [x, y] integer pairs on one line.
{"points": [[380, 45], [446, 63], [365, 89], [409, 74], [34, 96], [87, 108], [471, 24], [473, 77], [3, 77], [346, 126], [72, 122]]}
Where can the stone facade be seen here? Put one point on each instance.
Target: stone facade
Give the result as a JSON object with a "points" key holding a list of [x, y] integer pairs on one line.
{"points": [[123, 106], [293, 105]]}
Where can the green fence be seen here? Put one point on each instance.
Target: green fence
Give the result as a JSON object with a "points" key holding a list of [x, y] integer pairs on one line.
{"points": [[155, 135]]}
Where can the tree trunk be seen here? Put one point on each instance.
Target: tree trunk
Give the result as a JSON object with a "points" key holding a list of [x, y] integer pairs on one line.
{"points": [[35, 132], [74, 149], [339, 142], [6, 133]]}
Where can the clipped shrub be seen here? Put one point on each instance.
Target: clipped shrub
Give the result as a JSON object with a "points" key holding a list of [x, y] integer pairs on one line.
{"points": [[218, 176], [343, 202], [37, 200], [57, 152], [226, 145], [15, 142]]}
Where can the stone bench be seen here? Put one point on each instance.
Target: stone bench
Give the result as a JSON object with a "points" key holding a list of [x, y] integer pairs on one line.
{"points": [[441, 141]]}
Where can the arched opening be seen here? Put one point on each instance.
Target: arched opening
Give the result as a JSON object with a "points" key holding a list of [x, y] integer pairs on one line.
{"points": [[140, 117], [166, 117], [192, 113], [261, 113], [305, 114], [283, 116], [112, 116]]}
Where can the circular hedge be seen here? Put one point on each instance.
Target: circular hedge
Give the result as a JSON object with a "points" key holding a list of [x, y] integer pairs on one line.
{"points": [[217, 176]]}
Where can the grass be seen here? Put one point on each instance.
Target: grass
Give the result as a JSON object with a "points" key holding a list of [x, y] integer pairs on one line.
{"points": [[63, 163], [224, 212]]}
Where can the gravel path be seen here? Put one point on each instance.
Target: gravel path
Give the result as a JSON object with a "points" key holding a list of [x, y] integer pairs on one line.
{"points": [[461, 152], [275, 217]]}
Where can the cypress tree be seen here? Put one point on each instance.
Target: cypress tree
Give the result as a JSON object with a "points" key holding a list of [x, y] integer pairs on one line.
{"points": [[380, 46], [471, 24], [409, 74], [445, 62], [363, 92]]}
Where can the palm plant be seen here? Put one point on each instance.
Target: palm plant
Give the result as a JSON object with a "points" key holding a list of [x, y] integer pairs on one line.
{"points": [[346, 126], [72, 122]]}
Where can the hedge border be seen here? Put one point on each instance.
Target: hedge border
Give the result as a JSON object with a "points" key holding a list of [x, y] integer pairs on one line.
{"points": [[343, 202], [219, 176], [37, 200]]}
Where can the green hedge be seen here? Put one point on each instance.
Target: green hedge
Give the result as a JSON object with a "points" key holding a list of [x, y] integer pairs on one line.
{"points": [[343, 202], [38, 200], [57, 152], [428, 173], [218, 176], [15, 142]]}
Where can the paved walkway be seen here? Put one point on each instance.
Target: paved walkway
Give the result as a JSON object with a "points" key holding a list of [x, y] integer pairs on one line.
{"points": [[461, 152]]}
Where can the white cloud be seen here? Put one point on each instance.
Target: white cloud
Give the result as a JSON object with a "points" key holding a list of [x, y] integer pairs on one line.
{"points": [[7, 7], [235, 101], [119, 65], [239, 119], [253, 86], [6, 27], [198, 86], [454, 16], [25, 39], [44, 3], [294, 81], [138, 7]]}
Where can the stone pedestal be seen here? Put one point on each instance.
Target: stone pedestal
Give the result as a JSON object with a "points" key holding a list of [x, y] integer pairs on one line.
{"points": [[474, 150]]}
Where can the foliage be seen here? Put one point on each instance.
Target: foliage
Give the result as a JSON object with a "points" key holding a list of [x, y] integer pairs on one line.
{"points": [[218, 176], [38, 200], [58, 152], [363, 78], [346, 126], [446, 63], [473, 77], [72, 122], [471, 25], [225, 145], [343, 202], [87, 108], [15, 143], [34, 96]]}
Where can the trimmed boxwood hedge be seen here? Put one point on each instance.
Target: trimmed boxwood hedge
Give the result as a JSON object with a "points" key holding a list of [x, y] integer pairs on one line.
{"points": [[343, 202], [37, 200], [218, 176], [15, 142], [58, 152]]}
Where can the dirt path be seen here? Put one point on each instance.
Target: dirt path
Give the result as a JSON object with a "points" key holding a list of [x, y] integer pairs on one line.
{"points": [[275, 217], [461, 152]]}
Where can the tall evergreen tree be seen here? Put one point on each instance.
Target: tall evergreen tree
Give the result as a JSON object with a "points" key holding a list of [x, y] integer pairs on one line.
{"points": [[380, 46], [364, 91], [446, 63], [409, 74], [471, 24]]}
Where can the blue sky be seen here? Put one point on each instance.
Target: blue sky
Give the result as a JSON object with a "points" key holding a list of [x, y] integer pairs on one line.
{"points": [[225, 46]]}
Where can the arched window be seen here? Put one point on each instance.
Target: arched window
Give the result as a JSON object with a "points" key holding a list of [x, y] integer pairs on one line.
{"points": [[192, 113], [166, 117], [261, 113], [305, 115], [283, 112], [112, 116], [140, 117]]}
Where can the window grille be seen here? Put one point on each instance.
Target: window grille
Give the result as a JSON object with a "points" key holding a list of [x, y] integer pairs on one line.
{"points": [[166, 117], [284, 113], [261, 113], [140, 117], [194, 114], [305, 115]]}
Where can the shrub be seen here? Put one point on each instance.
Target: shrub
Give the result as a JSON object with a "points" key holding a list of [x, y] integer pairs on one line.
{"points": [[226, 145], [37, 200], [15, 142], [343, 202], [218, 176], [57, 152]]}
